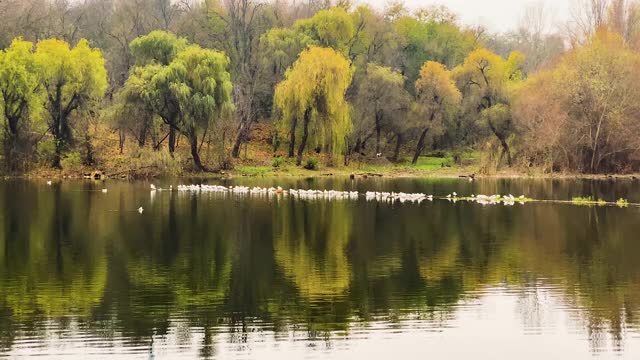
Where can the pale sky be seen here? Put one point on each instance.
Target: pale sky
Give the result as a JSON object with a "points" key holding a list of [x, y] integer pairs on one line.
{"points": [[497, 15]]}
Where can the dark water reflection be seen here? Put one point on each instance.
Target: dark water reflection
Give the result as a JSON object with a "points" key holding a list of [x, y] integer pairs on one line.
{"points": [[83, 274]]}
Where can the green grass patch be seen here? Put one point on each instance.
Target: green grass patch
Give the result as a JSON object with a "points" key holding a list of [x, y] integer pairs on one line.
{"points": [[425, 163], [588, 201], [254, 170], [433, 163], [623, 203]]}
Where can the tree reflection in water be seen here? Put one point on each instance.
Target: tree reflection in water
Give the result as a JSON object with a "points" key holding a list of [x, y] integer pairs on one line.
{"points": [[216, 270]]}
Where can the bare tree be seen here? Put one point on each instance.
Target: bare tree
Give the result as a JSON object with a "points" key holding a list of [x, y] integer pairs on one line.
{"points": [[237, 26], [585, 18]]}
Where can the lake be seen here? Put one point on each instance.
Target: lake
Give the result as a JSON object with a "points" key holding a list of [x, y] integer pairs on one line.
{"points": [[84, 275]]}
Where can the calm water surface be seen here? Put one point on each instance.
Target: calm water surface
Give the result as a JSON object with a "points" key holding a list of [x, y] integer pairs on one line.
{"points": [[84, 275]]}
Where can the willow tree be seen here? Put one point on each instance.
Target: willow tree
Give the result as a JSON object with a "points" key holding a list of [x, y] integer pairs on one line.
{"points": [[486, 80], [200, 83], [188, 93], [312, 101], [382, 102], [437, 96], [19, 95], [159, 47], [332, 27], [279, 48], [152, 53], [72, 79], [132, 109]]}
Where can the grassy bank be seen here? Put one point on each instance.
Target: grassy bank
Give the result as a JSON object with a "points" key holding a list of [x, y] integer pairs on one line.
{"points": [[427, 167], [259, 159]]}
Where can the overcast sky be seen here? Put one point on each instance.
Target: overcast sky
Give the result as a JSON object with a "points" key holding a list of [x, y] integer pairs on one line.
{"points": [[497, 15]]}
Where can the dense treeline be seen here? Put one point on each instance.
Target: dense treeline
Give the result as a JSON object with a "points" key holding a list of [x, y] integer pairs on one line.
{"points": [[343, 80]]}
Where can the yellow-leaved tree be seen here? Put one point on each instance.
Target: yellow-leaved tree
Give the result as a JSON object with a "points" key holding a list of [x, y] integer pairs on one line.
{"points": [[72, 79], [332, 27], [311, 101], [437, 96], [486, 80], [20, 100]]}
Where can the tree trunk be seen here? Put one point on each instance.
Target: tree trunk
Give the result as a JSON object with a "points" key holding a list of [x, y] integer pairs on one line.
{"points": [[142, 136], [55, 129], [57, 157], [89, 160], [243, 134], [172, 139], [305, 135], [358, 145], [121, 139], [505, 149], [235, 151], [420, 146], [60, 126], [11, 144], [347, 154], [503, 142], [193, 141], [13, 125], [378, 131], [292, 139], [396, 151]]}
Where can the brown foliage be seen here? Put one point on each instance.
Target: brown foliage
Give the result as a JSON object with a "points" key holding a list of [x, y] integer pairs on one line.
{"points": [[583, 115]]}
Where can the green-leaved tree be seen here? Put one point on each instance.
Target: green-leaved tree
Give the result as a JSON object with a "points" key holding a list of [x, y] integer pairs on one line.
{"points": [[72, 79], [20, 98]]}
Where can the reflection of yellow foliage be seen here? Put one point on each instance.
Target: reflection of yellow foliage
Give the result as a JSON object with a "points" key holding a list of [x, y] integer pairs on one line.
{"points": [[385, 266], [434, 268], [326, 227], [212, 291], [57, 298], [144, 273], [191, 286]]}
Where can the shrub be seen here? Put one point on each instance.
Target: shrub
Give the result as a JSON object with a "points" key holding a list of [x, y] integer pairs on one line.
{"points": [[45, 150], [277, 162], [148, 163], [311, 164], [72, 161]]}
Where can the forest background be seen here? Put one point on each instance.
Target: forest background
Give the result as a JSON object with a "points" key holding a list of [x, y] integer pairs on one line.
{"points": [[160, 87]]}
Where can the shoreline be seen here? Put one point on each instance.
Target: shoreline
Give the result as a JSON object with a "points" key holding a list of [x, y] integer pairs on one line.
{"points": [[458, 173]]}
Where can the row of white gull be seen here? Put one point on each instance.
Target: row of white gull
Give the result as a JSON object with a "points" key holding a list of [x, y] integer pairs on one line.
{"points": [[302, 193], [344, 195]]}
